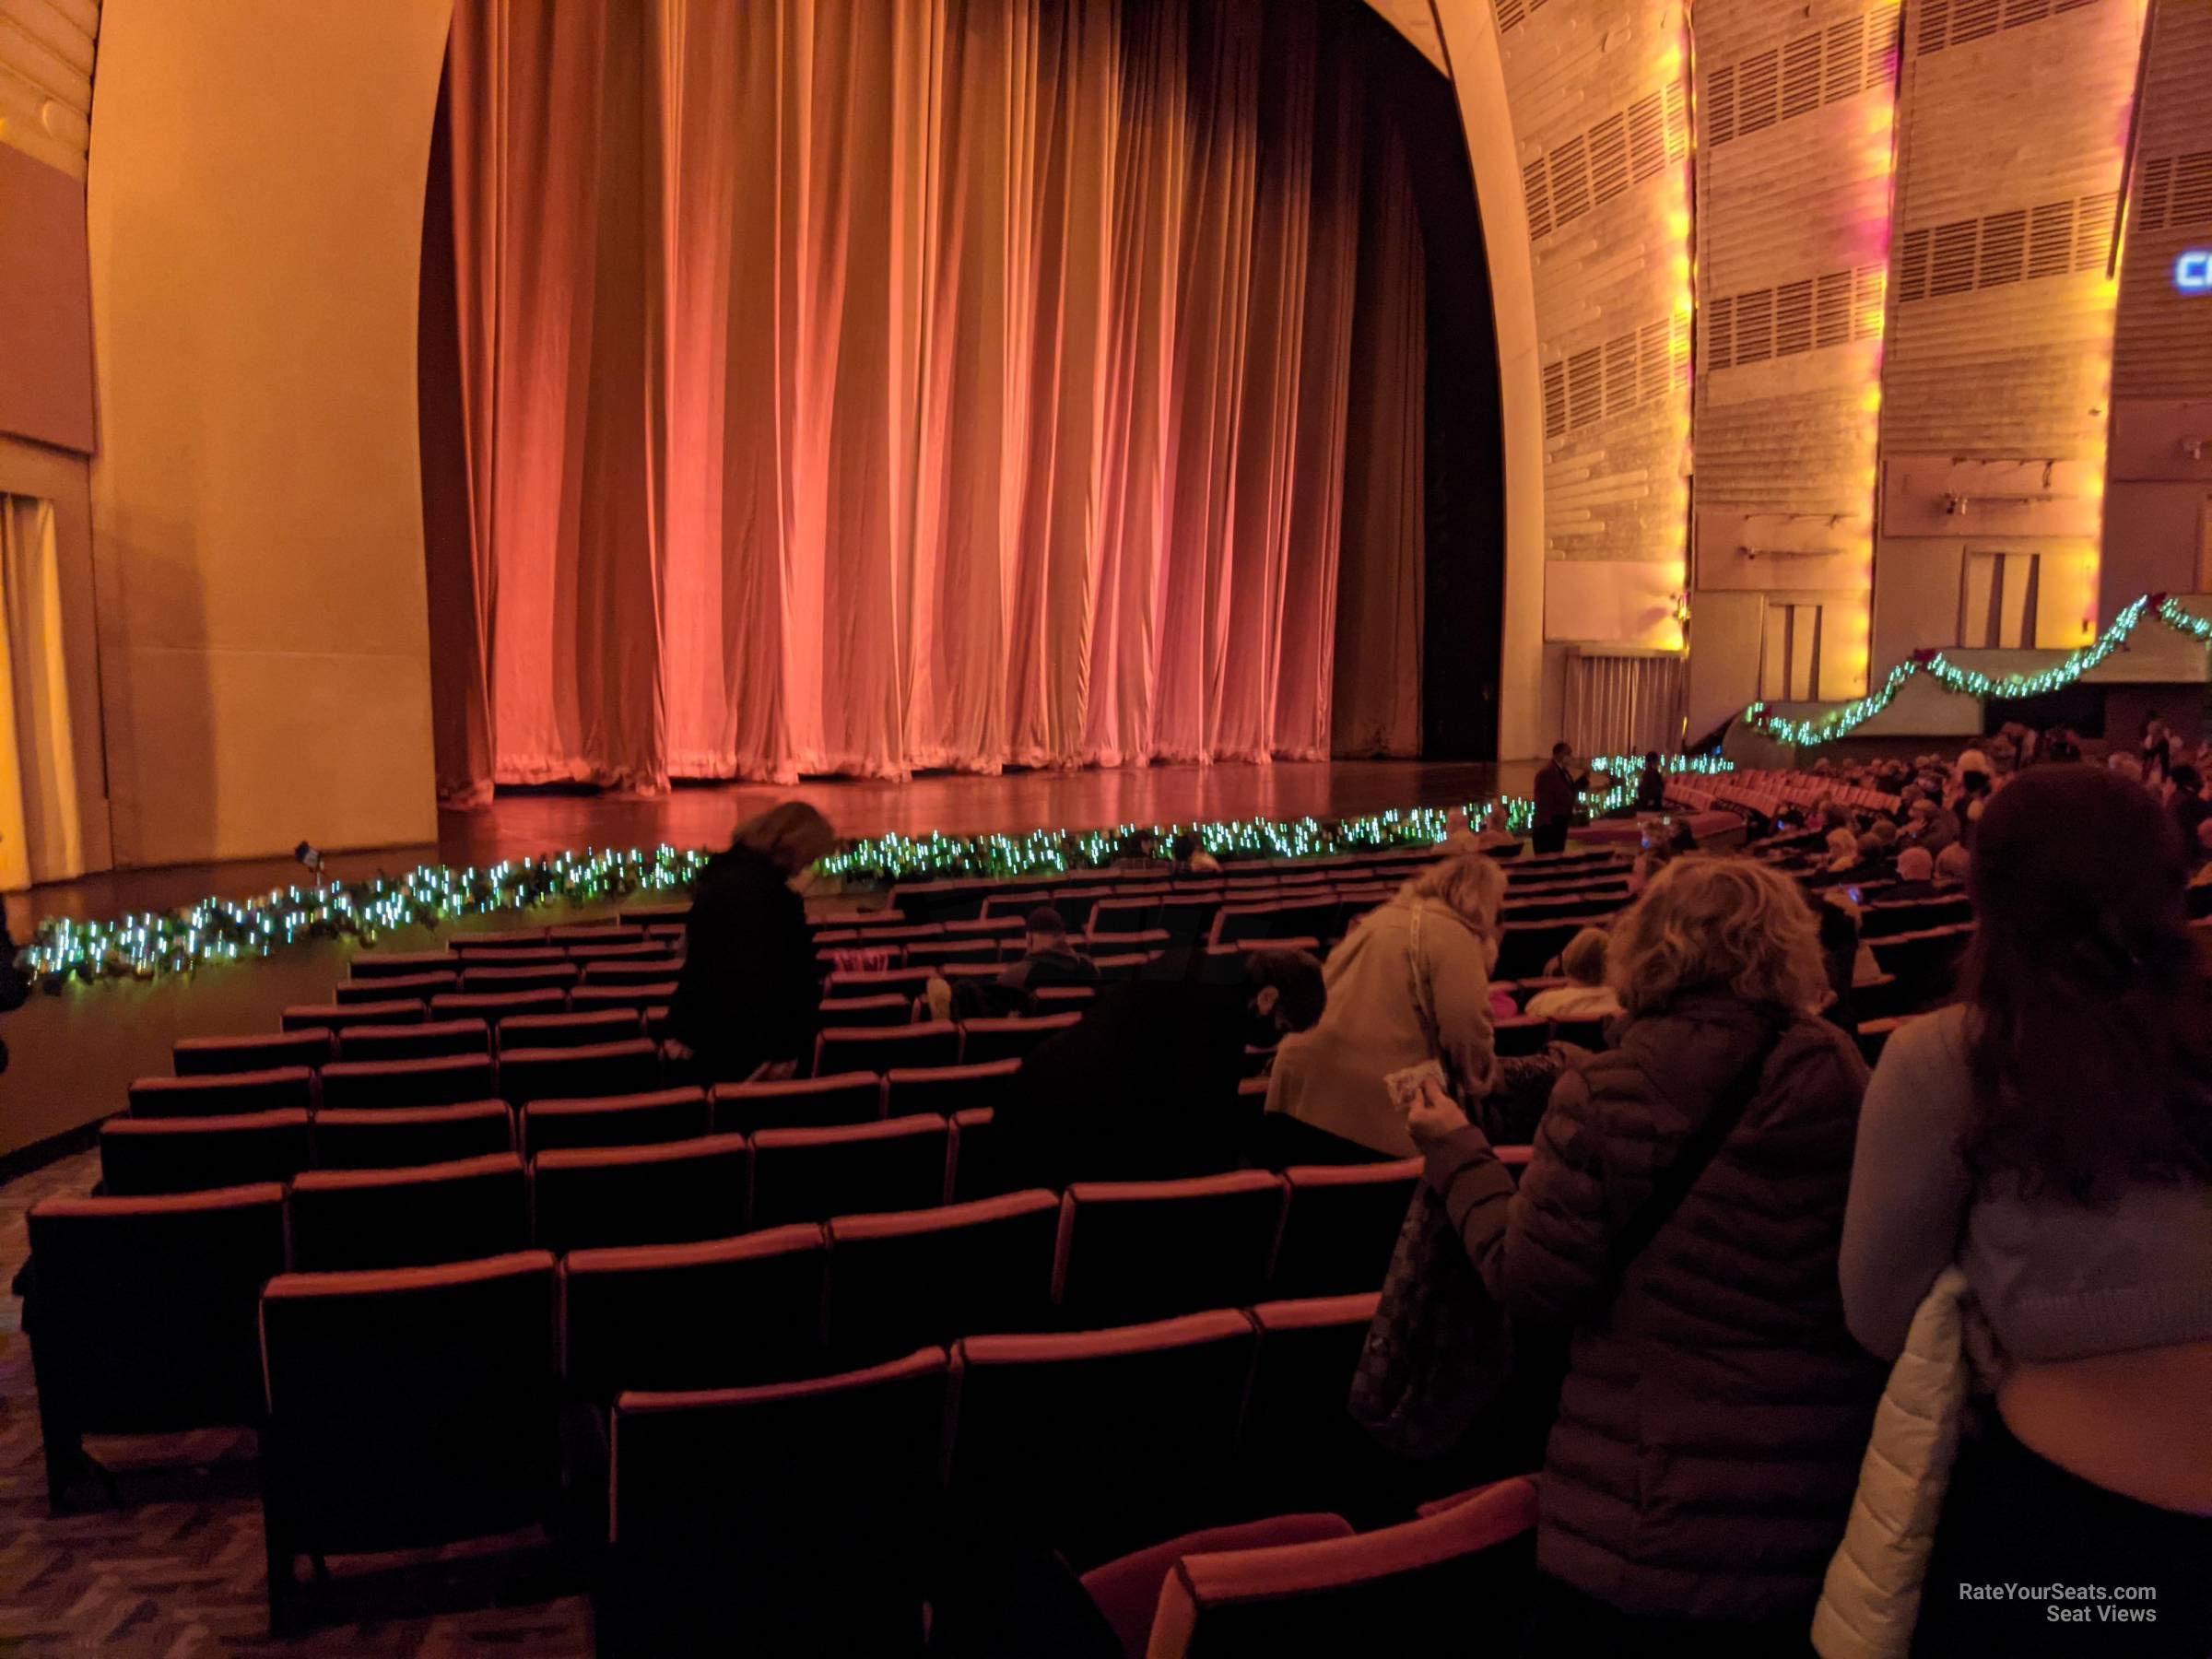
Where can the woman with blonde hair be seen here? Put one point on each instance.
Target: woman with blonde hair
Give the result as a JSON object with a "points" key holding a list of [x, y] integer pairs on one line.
{"points": [[748, 1001], [1411, 982], [1681, 1216]]}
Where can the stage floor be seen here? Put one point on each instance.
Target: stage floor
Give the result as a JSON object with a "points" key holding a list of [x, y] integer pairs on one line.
{"points": [[523, 824]]}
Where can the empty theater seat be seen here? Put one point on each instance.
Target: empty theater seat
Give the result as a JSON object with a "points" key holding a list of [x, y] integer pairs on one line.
{"points": [[720, 1313], [1014, 1039], [281, 1089], [947, 1089], [658, 968], [1147, 1248], [1138, 1422], [878, 1049], [975, 1171], [570, 1074], [575, 1030], [1522, 1034], [432, 1039], [1126, 1590], [906, 1279], [667, 1194], [493, 1006], [440, 1081], [640, 995], [397, 1138], [215, 1056], [406, 1410], [1331, 1596], [1298, 1448], [345, 1220], [557, 975], [143, 1156], [336, 1017], [798, 1103], [373, 965], [635, 1120], [894, 1008], [408, 987], [826, 1551], [141, 1315], [811, 1174], [1341, 1225]]}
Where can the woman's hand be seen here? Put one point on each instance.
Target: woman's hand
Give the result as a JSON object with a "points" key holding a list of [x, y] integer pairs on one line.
{"points": [[1433, 1117]]}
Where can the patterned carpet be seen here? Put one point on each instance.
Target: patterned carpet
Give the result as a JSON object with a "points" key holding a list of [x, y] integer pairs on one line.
{"points": [[178, 1570]]}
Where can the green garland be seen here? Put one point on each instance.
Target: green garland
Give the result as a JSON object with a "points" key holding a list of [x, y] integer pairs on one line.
{"points": [[148, 944], [1973, 682]]}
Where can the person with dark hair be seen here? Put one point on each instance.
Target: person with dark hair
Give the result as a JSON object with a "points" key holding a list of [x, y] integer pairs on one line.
{"points": [[1557, 788], [747, 1000], [1048, 957], [1191, 856], [1144, 1087], [2051, 1135], [1651, 785]]}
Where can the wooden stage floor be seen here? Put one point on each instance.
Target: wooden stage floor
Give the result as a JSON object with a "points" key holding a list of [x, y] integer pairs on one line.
{"points": [[526, 823]]}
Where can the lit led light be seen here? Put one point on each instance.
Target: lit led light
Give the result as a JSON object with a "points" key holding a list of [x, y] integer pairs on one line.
{"points": [[2193, 271]]}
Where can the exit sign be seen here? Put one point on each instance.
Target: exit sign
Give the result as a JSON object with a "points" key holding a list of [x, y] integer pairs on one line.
{"points": [[2193, 271]]}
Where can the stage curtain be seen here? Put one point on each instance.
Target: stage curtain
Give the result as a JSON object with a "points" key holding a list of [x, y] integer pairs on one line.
{"points": [[41, 838], [840, 386]]}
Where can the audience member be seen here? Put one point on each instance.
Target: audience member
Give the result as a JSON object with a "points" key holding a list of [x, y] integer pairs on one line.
{"points": [[2051, 1135], [1651, 785], [1585, 995], [1557, 789], [2156, 748], [1916, 875], [1144, 1087], [1411, 982], [2188, 805], [1047, 958], [1951, 866], [1930, 825], [746, 1000], [1682, 1212], [1191, 856]]}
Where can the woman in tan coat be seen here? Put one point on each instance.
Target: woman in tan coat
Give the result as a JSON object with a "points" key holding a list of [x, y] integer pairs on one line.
{"points": [[1410, 982]]}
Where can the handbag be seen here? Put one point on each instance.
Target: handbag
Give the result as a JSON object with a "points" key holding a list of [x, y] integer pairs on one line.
{"points": [[1441, 1349]]}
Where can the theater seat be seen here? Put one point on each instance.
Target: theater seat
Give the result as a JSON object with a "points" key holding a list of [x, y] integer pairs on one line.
{"points": [[634, 1120], [947, 1089], [655, 970], [576, 1030], [491, 1008], [1013, 1039], [406, 1410], [812, 1174], [336, 1017], [345, 1219], [902, 1280], [442, 1080], [141, 1157], [827, 1549], [1149, 1249], [976, 1161], [595, 933], [217, 1056], [140, 1314], [894, 1008], [283, 1088], [432, 1039], [381, 964], [574, 1074], [1523, 1034], [1340, 1227], [1127, 1590], [798, 1103], [879, 1049], [556, 975], [1096, 1442], [1476, 1559], [1298, 1448], [636, 995], [723, 1314], [408, 1136], [408, 987], [611, 1195]]}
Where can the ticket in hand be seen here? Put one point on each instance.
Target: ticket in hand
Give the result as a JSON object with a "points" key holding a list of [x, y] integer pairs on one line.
{"points": [[1404, 1084]]}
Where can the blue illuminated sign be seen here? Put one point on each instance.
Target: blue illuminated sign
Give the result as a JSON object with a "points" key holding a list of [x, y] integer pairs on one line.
{"points": [[2193, 271]]}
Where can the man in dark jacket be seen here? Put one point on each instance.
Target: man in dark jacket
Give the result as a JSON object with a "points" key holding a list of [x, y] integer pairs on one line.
{"points": [[747, 997], [1144, 1088], [1557, 787]]}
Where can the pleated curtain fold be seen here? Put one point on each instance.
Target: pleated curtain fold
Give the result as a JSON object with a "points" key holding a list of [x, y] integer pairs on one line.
{"points": [[844, 386]]}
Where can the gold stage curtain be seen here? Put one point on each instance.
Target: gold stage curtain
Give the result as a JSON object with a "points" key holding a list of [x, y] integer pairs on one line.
{"points": [[41, 838], [834, 385]]}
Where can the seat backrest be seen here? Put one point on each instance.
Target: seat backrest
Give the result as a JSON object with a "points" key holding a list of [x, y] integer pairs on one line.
{"points": [[636, 949], [906, 1279], [596, 933], [440, 1081], [408, 1408], [1141, 1250], [975, 1160], [575, 1074], [493, 1006], [400, 1137], [798, 1103], [336, 1017], [833, 1471], [634, 1120], [507, 941], [281, 1089], [142, 1157], [217, 1056], [345, 1220], [577, 1029], [659, 967], [1332, 1596], [1124, 913], [428, 1041], [406, 987], [640, 995], [812, 1174], [1096, 1441], [1522, 1034], [382, 964], [141, 1311], [1341, 1225], [947, 1089], [1011, 1039], [720, 1313], [538, 976], [879, 1049], [1297, 1447], [934, 953], [884, 982], [892, 1009], [676, 1193]]}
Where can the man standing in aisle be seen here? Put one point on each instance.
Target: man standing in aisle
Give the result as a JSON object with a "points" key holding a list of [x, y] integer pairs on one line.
{"points": [[1557, 787]]}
